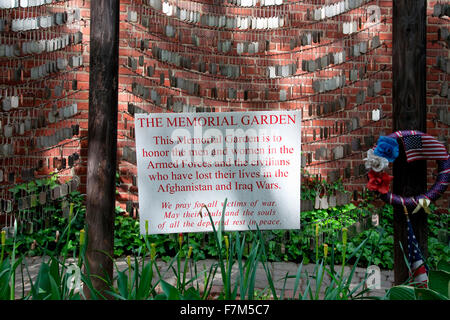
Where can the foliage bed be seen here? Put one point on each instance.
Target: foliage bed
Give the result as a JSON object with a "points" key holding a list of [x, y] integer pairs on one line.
{"points": [[282, 245]]}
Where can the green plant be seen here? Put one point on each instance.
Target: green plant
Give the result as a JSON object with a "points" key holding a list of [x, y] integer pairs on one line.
{"points": [[142, 275], [341, 286], [8, 269], [438, 286], [230, 250], [53, 280], [48, 221], [293, 245], [138, 281]]}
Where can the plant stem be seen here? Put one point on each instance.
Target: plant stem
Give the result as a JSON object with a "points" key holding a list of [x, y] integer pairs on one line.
{"points": [[344, 249], [317, 243], [3, 241], [13, 262]]}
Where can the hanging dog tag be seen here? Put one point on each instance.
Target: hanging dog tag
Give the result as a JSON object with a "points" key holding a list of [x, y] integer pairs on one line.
{"points": [[376, 115], [317, 202], [332, 199], [338, 152], [356, 144], [375, 43], [324, 202], [375, 219], [42, 197], [360, 97], [64, 189]]}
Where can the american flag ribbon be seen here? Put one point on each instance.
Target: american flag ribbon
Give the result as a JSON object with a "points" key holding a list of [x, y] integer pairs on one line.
{"points": [[419, 270], [423, 147]]}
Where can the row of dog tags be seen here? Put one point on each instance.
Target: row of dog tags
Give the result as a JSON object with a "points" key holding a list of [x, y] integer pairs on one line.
{"points": [[146, 93], [281, 70], [46, 45], [39, 46], [325, 202], [129, 154], [372, 90], [7, 149], [227, 70], [328, 107], [323, 153], [178, 106], [361, 48], [190, 86], [253, 3], [60, 135], [349, 27], [53, 66], [10, 101], [243, 23], [332, 10], [20, 127], [214, 20], [440, 10], [61, 163], [63, 113], [348, 126], [11, 4], [445, 91], [443, 63], [324, 61], [250, 47], [444, 35], [49, 194], [49, 67], [331, 201], [443, 115], [40, 22], [132, 109], [320, 86]]}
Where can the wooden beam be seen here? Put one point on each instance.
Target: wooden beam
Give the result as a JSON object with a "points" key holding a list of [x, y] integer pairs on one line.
{"points": [[409, 113], [102, 137]]}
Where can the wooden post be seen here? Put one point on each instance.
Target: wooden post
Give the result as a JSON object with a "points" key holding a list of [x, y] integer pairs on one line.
{"points": [[102, 137], [409, 113]]}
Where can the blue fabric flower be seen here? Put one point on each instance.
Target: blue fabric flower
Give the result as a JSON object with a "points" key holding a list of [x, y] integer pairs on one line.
{"points": [[387, 148]]}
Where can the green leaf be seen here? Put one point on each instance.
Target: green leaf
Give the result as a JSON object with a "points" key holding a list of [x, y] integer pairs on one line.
{"points": [[401, 293], [122, 283], [221, 225], [297, 279], [43, 279], [54, 270], [145, 284], [55, 289], [439, 281], [428, 294], [444, 265], [170, 291], [191, 294]]}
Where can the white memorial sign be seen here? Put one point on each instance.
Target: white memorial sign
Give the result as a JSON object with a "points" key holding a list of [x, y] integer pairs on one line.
{"points": [[252, 159]]}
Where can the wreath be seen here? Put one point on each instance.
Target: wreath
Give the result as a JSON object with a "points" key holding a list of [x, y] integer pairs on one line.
{"points": [[417, 146]]}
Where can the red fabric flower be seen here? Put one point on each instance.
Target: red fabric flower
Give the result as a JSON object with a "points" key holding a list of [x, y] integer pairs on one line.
{"points": [[379, 181]]}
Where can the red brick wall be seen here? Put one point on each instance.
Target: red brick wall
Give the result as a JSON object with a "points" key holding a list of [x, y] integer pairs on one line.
{"points": [[38, 97], [435, 79], [254, 79], [255, 90]]}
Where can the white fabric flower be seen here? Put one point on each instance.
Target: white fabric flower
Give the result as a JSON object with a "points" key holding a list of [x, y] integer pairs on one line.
{"points": [[375, 162]]}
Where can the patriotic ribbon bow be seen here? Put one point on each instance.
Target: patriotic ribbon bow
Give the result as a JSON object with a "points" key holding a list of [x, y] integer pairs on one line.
{"points": [[423, 203]]}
